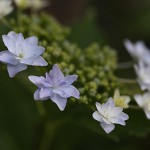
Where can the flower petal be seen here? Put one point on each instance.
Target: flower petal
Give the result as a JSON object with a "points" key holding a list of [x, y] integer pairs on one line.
{"points": [[8, 58], [32, 40], [115, 111], [117, 121], [147, 113], [139, 100], [123, 116], [69, 91], [96, 115], [39, 81], [69, 80], [39, 61], [56, 74], [45, 93], [9, 43], [14, 69], [37, 95], [60, 101], [32, 51], [107, 127]]}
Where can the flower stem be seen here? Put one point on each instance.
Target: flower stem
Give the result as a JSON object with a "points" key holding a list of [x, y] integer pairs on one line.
{"points": [[134, 107], [128, 81], [125, 65]]}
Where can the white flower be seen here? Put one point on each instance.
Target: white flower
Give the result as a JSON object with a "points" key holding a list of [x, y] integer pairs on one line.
{"points": [[108, 115], [138, 50], [121, 101], [144, 102], [143, 72], [21, 52], [55, 86], [5, 7]]}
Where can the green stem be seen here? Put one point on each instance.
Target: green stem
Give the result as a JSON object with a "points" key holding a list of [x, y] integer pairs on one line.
{"points": [[125, 65], [128, 81], [134, 107]]}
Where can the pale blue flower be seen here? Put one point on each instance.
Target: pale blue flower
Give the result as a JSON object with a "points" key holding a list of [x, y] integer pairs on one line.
{"points": [[55, 86], [21, 52], [108, 115]]}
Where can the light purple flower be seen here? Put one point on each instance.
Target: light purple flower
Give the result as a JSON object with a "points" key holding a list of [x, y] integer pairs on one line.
{"points": [[55, 86], [21, 52], [108, 115]]}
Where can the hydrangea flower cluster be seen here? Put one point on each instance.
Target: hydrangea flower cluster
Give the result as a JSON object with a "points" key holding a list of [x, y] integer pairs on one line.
{"points": [[142, 69]]}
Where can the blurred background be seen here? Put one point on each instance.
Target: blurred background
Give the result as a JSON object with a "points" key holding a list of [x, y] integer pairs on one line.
{"points": [[107, 22]]}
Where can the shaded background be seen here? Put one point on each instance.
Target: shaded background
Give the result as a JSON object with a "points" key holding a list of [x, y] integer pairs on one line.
{"points": [[103, 21]]}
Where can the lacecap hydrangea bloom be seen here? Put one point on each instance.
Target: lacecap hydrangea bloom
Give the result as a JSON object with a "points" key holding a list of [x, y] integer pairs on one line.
{"points": [[55, 87], [21, 52], [5, 7], [108, 115], [144, 102]]}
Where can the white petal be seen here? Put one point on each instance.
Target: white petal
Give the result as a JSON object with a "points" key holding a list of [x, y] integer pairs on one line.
{"points": [[147, 113], [32, 40], [116, 94], [107, 127], [39, 81], [45, 93], [99, 107], [123, 116], [115, 111], [96, 115], [60, 101], [14, 69], [9, 43], [70, 91], [139, 100], [31, 51], [39, 61], [8, 58], [109, 105]]}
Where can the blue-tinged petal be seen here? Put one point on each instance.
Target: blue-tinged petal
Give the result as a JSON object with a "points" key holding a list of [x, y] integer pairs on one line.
{"points": [[69, 80], [59, 92], [9, 43], [32, 40], [12, 35], [123, 116], [70, 91], [37, 95], [45, 93], [117, 120], [107, 127], [8, 58], [60, 101], [39, 61], [14, 69], [56, 75], [39, 81], [96, 115], [139, 100], [31, 51]]}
